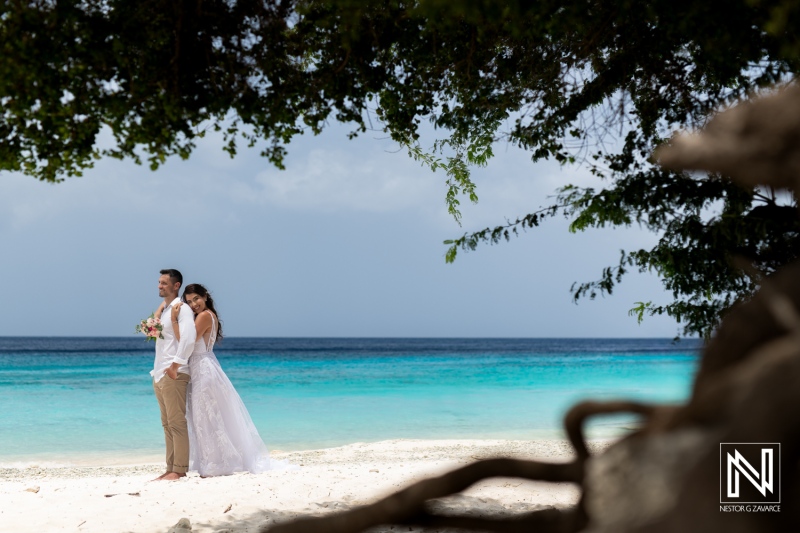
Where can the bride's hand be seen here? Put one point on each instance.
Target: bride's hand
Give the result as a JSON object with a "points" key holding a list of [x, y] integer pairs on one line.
{"points": [[176, 310]]}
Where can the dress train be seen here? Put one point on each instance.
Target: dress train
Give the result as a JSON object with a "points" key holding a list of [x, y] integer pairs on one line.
{"points": [[222, 436]]}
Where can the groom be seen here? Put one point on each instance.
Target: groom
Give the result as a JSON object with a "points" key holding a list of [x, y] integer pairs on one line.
{"points": [[171, 374]]}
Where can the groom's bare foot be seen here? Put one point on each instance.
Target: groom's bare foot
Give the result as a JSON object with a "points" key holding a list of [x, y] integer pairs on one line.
{"points": [[159, 478], [172, 476]]}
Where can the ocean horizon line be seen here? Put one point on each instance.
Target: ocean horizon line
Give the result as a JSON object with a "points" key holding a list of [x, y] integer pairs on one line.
{"points": [[348, 337], [362, 345]]}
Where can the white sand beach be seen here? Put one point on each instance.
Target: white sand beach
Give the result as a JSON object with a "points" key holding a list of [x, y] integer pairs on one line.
{"points": [[121, 498]]}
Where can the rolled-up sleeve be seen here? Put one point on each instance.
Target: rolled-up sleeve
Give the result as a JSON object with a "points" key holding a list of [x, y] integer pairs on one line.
{"points": [[188, 335]]}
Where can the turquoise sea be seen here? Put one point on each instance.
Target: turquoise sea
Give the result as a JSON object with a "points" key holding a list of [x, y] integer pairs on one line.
{"points": [[66, 400]]}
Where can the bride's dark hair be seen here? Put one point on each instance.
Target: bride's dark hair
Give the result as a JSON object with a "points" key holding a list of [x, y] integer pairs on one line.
{"points": [[196, 288]]}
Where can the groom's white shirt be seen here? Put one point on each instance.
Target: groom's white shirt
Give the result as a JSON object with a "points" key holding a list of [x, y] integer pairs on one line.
{"points": [[169, 350]]}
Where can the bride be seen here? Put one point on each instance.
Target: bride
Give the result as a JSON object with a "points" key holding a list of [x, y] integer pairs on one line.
{"points": [[222, 436]]}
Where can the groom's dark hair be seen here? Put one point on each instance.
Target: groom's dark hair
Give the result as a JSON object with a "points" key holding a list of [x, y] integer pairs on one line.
{"points": [[173, 274]]}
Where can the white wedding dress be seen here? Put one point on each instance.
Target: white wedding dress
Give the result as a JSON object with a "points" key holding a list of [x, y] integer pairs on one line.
{"points": [[222, 436]]}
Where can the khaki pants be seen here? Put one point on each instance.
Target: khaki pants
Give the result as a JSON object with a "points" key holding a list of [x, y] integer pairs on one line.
{"points": [[171, 396]]}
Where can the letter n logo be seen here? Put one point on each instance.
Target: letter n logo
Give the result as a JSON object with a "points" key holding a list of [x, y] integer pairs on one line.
{"points": [[750, 472]]}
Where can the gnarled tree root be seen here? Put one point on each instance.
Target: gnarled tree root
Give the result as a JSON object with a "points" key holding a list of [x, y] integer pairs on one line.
{"points": [[407, 507], [578, 413]]}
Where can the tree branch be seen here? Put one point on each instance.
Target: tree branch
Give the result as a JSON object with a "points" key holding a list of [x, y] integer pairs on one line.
{"points": [[407, 505]]}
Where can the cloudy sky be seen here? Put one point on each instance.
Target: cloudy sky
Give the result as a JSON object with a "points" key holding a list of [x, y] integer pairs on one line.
{"points": [[346, 242]]}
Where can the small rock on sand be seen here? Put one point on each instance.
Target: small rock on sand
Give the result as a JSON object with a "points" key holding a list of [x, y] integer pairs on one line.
{"points": [[182, 526]]}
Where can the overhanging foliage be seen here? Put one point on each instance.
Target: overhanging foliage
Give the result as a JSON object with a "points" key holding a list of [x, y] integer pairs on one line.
{"points": [[598, 83]]}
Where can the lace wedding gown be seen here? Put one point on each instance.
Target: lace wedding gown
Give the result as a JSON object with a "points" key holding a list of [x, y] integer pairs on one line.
{"points": [[222, 436]]}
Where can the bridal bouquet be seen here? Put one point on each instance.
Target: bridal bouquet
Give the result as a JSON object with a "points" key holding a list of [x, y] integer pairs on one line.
{"points": [[150, 327]]}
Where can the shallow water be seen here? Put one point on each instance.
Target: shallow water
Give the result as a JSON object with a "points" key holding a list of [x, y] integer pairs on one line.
{"points": [[63, 399]]}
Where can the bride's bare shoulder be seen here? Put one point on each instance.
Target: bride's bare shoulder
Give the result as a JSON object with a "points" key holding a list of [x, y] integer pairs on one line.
{"points": [[203, 318]]}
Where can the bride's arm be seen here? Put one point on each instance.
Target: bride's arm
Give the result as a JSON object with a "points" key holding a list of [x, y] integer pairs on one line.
{"points": [[176, 311], [202, 323]]}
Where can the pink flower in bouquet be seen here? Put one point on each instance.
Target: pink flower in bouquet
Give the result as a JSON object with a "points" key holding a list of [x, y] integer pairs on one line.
{"points": [[151, 328]]}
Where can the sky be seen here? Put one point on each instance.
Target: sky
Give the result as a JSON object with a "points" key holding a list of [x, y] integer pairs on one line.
{"points": [[346, 242]]}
